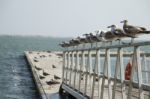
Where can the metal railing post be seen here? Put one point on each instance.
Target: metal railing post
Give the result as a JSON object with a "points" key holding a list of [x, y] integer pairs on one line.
{"points": [[64, 63], [71, 67], [140, 80], [95, 73], [122, 76], [145, 69], [116, 72], [131, 76], [87, 72], [147, 75], [98, 73], [81, 68], [106, 70], [135, 63], [67, 67], [109, 75], [75, 68]]}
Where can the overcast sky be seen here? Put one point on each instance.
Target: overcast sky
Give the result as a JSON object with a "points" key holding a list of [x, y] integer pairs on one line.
{"points": [[69, 18]]}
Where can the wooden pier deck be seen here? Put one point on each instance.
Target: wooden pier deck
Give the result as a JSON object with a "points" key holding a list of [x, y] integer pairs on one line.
{"points": [[51, 62], [46, 68]]}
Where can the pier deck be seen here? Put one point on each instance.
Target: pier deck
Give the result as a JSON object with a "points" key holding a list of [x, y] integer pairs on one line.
{"points": [[52, 62], [46, 68]]}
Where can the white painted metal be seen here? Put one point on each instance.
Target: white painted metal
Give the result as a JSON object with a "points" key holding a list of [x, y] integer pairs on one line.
{"points": [[104, 73], [67, 66], [116, 73], [95, 73], [98, 69], [109, 75], [87, 68], [145, 69], [132, 75], [63, 68], [73, 69], [81, 69], [122, 76], [138, 64]]}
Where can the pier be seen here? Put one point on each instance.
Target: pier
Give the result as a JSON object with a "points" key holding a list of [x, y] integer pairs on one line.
{"points": [[93, 72], [46, 68]]}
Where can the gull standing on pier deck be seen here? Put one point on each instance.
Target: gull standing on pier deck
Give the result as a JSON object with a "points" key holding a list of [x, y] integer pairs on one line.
{"points": [[133, 30], [45, 73]]}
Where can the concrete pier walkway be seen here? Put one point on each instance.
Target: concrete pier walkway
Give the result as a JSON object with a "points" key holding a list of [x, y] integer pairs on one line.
{"points": [[46, 68]]}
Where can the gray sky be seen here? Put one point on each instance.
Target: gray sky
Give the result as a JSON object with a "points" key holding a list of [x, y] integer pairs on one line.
{"points": [[69, 18]]}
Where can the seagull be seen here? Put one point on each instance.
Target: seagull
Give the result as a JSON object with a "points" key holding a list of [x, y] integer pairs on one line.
{"points": [[53, 66], [108, 36], [99, 35], [41, 77], [133, 30], [104, 37], [119, 33], [115, 30], [56, 77], [38, 68], [45, 73], [81, 40], [52, 82], [90, 38], [74, 42], [98, 38], [64, 44], [95, 38]]}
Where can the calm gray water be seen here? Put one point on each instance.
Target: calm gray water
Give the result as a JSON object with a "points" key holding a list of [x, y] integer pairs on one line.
{"points": [[16, 81]]}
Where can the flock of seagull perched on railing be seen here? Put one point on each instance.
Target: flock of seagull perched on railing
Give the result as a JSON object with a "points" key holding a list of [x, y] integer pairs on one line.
{"points": [[109, 36]]}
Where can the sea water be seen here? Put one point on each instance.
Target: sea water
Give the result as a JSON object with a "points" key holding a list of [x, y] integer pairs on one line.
{"points": [[16, 81]]}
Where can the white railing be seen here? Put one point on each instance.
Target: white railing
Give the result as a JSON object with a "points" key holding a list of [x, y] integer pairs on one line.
{"points": [[91, 73]]}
